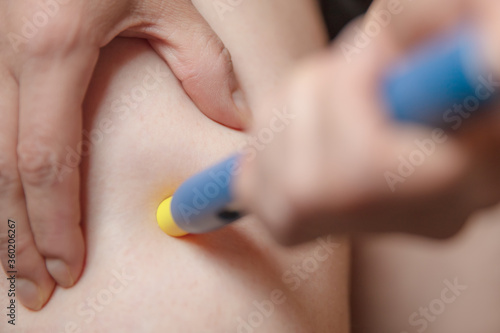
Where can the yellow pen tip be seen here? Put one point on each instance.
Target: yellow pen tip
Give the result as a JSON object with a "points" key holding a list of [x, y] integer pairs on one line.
{"points": [[165, 220]]}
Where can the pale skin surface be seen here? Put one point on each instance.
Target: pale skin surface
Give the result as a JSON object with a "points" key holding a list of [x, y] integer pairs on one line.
{"points": [[48, 52], [196, 284], [395, 276]]}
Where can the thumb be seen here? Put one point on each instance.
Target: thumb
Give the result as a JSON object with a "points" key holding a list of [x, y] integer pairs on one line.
{"points": [[203, 65]]}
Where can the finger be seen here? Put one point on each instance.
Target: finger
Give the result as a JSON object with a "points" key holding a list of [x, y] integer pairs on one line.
{"points": [[300, 165], [276, 183], [417, 20], [200, 61], [52, 91], [384, 184], [18, 252]]}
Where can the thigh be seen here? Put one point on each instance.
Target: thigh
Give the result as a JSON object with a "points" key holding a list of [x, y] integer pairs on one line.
{"points": [[406, 284]]}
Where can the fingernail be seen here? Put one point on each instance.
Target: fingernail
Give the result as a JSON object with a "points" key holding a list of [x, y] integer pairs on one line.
{"points": [[239, 100], [60, 272], [242, 105], [29, 294]]}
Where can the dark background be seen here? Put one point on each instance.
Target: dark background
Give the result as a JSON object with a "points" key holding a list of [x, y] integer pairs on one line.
{"points": [[338, 13]]}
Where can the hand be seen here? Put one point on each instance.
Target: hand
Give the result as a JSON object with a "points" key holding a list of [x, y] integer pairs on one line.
{"points": [[333, 166], [48, 51]]}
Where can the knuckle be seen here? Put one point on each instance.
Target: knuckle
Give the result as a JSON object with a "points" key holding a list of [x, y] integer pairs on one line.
{"points": [[9, 176], [57, 34], [48, 238], [222, 53], [37, 162], [45, 244], [209, 42], [22, 244], [227, 63], [215, 45], [213, 49], [61, 223]]}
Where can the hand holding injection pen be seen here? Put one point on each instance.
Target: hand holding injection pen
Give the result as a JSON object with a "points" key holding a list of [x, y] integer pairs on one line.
{"points": [[344, 165]]}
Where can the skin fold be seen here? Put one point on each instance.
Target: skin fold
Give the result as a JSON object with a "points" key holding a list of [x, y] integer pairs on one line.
{"points": [[143, 136]]}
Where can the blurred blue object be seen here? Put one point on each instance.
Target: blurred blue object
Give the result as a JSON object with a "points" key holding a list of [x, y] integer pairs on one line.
{"points": [[440, 74]]}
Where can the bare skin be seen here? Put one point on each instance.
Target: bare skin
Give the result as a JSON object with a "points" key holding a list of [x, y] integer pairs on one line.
{"points": [[397, 279], [48, 52], [136, 278]]}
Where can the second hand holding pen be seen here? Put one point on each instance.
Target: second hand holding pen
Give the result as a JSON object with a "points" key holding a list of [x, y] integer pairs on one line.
{"points": [[441, 73]]}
